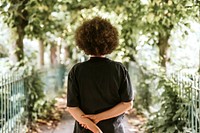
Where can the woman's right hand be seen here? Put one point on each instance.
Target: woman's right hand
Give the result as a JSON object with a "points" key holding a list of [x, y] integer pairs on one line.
{"points": [[94, 118], [91, 126]]}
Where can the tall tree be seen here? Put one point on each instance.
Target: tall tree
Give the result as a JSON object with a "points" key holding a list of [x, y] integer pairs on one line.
{"points": [[31, 18], [153, 18], [16, 15], [160, 17], [42, 21]]}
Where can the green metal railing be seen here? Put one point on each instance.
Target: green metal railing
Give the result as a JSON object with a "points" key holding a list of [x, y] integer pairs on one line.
{"points": [[190, 91], [14, 99], [12, 103]]}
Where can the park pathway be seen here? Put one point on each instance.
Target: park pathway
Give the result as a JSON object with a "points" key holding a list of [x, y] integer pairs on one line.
{"points": [[67, 122]]}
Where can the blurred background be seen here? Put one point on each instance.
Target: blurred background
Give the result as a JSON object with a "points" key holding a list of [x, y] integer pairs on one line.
{"points": [[159, 45]]}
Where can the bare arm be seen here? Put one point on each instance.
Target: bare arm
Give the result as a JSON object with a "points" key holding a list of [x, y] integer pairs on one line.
{"points": [[111, 113], [77, 113], [116, 110]]}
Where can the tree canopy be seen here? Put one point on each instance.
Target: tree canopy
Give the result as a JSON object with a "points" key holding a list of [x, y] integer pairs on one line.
{"points": [[154, 19]]}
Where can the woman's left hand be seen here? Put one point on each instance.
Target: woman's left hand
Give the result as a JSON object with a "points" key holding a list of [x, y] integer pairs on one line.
{"points": [[94, 118]]}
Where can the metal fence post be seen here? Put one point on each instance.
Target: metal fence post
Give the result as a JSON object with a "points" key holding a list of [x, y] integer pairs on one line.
{"points": [[14, 98]]}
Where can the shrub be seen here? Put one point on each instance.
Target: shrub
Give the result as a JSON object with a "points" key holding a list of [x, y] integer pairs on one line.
{"points": [[172, 117]]}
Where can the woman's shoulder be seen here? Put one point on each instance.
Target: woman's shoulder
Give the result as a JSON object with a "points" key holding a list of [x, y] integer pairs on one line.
{"points": [[119, 64], [74, 67]]}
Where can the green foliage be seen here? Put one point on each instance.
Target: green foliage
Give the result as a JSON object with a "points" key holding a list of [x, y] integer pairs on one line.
{"points": [[33, 16], [48, 20], [44, 109], [172, 117], [34, 87], [155, 19], [38, 106], [14, 12], [161, 99], [30, 18], [162, 16], [41, 19], [143, 98]]}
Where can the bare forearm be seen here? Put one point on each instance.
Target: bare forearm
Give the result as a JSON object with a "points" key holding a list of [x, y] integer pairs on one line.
{"points": [[77, 114], [115, 111]]}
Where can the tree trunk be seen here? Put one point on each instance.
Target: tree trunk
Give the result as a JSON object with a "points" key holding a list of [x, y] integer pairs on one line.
{"points": [[66, 54], [20, 23], [19, 44], [58, 54], [53, 55], [41, 53], [163, 50]]}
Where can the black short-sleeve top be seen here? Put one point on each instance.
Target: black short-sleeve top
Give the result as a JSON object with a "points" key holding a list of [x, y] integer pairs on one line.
{"points": [[97, 85]]}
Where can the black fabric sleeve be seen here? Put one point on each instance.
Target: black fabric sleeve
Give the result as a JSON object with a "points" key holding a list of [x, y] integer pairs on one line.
{"points": [[72, 90], [125, 91]]}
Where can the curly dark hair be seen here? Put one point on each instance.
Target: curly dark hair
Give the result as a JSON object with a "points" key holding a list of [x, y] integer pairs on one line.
{"points": [[97, 37]]}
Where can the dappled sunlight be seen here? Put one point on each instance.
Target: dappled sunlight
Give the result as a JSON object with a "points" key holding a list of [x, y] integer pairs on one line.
{"points": [[159, 46]]}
